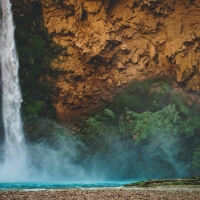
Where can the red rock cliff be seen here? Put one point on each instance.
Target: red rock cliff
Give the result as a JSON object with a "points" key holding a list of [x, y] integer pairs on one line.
{"points": [[108, 43]]}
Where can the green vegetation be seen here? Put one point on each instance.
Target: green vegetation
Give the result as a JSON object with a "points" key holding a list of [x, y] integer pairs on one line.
{"points": [[196, 159], [35, 51], [149, 116], [34, 109], [147, 113], [140, 96]]}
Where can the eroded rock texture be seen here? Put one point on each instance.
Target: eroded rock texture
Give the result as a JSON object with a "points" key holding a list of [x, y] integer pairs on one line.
{"points": [[108, 43]]}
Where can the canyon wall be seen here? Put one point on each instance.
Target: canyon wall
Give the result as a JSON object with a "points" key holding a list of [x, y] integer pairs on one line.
{"points": [[108, 43]]}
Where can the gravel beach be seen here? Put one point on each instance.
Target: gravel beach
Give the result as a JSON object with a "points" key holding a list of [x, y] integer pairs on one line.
{"points": [[164, 192]]}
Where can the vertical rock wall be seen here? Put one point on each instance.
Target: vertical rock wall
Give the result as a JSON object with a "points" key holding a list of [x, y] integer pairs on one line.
{"points": [[109, 43]]}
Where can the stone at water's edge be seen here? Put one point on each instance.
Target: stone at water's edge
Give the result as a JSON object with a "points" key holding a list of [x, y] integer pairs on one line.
{"points": [[162, 182], [109, 43], [102, 194]]}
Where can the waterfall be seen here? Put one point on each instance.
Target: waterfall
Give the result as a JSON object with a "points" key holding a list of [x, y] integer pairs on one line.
{"points": [[14, 163]]}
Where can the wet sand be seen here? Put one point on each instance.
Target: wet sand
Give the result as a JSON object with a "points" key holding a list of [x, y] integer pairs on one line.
{"points": [[164, 192]]}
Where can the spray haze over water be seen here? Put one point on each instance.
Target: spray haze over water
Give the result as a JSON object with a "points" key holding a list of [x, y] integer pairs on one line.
{"points": [[59, 156], [22, 162]]}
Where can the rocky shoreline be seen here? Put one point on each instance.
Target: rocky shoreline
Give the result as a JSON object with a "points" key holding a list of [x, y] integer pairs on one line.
{"points": [[136, 193], [165, 182]]}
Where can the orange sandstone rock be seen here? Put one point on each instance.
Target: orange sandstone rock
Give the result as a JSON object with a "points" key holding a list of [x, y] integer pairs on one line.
{"points": [[108, 43]]}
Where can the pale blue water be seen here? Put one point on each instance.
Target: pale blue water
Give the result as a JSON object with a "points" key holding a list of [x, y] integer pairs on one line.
{"points": [[43, 186]]}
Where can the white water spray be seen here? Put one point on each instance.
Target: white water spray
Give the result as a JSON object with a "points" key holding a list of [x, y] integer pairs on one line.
{"points": [[15, 157]]}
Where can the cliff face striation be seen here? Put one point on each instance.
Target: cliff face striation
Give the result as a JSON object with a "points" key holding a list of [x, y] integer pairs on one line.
{"points": [[109, 43]]}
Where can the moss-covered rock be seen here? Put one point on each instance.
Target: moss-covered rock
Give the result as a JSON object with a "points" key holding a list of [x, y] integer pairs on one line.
{"points": [[35, 50], [150, 117], [162, 182]]}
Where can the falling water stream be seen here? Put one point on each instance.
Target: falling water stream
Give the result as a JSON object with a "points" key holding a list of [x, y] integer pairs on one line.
{"points": [[15, 170], [47, 163], [15, 154]]}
